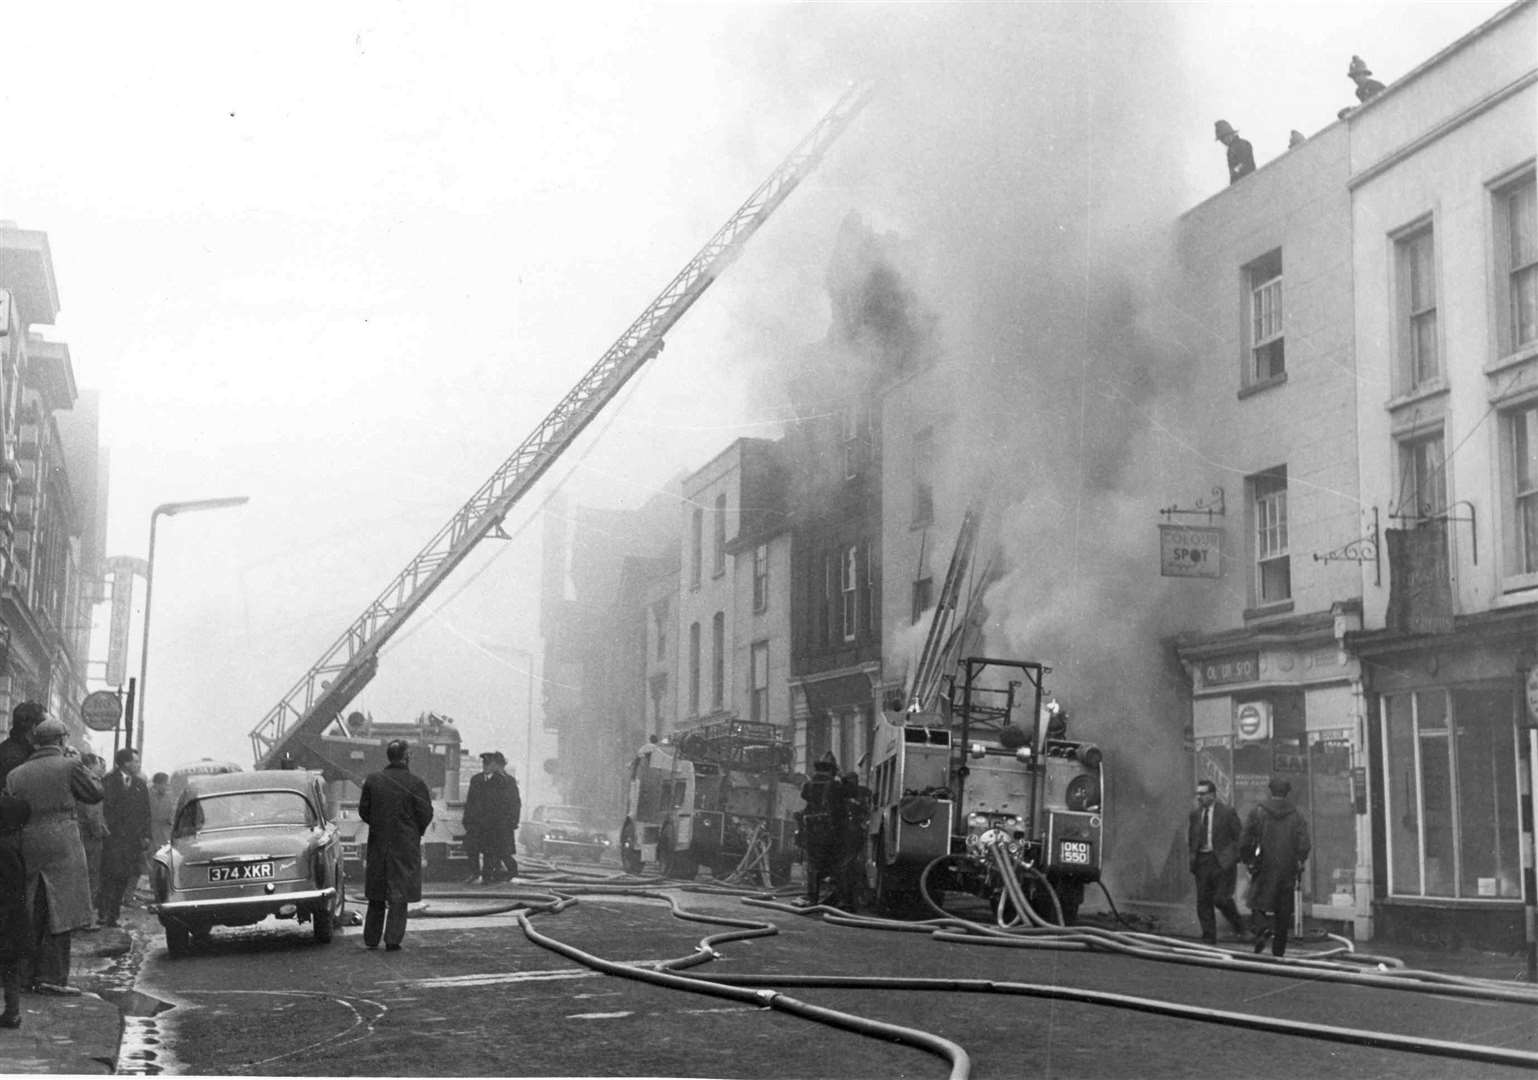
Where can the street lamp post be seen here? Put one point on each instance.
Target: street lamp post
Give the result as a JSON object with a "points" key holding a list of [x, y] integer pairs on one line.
{"points": [[170, 509], [528, 734]]}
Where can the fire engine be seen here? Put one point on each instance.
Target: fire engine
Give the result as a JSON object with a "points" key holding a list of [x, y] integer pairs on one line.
{"points": [[346, 760], [984, 784], [721, 795]]}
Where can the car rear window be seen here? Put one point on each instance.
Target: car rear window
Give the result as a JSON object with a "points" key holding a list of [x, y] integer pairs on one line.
{"points": [[243, 809]]}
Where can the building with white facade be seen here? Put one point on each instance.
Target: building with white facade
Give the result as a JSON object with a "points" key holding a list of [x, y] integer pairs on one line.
{"points": [[1444, 247]]}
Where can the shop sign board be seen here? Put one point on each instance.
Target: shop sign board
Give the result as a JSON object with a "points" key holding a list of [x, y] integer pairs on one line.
{"points": [[1234, 668], [101, 710], [1190, 551]]}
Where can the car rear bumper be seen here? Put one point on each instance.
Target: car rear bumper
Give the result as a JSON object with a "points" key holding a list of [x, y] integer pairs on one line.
{"points": [[267, 903]]}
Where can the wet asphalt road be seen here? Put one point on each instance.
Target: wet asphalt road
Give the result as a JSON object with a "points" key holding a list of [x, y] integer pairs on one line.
{"points": [[472, 996]]}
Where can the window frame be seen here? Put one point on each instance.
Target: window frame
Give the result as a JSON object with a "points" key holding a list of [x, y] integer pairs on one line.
{"points": [[1415, 308], [697, 541], [1519, 543], [760, 578], [849, 591], [1269, 534], [718, 661], [718, 546], [758, 681], [1265, 321], [1506, 306], [694, 668]]}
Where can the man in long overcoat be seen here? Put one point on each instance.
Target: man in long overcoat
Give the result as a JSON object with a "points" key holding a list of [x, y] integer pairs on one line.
{"points": [[493, 808], [15, 921], [126, 806], [1275, 844], [52, 781], [397, 808]]}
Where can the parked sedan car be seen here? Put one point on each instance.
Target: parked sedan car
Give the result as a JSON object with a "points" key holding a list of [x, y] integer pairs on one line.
{"points": [[563, 830], [245, 846]]}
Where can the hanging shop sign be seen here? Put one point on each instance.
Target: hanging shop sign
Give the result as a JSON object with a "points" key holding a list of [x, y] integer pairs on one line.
{"points": [[1252, 721], [1190, 551], [101, 710]]}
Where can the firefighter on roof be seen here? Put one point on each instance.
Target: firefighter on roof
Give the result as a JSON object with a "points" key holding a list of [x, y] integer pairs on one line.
{"points": [[822, 825], [1241, 156]]}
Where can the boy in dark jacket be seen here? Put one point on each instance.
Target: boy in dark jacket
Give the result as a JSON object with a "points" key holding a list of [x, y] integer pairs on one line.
{"points": [[1275, 846]]}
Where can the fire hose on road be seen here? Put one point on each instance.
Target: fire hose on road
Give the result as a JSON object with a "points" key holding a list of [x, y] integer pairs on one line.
{"points": [[1025, 929]]}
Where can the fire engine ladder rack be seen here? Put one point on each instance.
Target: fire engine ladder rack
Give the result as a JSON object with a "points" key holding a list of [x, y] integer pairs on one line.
{"points": [[932, 658], [316, 700]]}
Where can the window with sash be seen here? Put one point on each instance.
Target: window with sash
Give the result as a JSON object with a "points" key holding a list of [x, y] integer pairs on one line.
{"points": [[759, 682], [1516, 218], [761, 577], [1267, 351], [1419, 348], [849, 589], [1519, 435], [1273, 566]]}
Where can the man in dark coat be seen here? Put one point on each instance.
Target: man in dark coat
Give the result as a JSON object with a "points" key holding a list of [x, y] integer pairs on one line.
{"points": [[52, 781], [397, 808], [15, 921], [1241, 156], [1212, 838], [493, 808], [822, 825], [126, 806], [1275, 846], [17, 746]]}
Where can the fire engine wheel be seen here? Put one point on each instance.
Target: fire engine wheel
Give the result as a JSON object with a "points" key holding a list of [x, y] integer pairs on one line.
{"points": [[675, 864], [629, 850], [896, 889], [1070, 894]]}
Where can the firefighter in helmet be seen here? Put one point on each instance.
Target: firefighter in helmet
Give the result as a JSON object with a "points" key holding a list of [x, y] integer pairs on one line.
{"points": [[855, 799], [822, 825]]}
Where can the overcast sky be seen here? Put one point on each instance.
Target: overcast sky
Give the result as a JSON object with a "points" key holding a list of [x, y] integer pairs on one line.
{"points": [[342, 258]]}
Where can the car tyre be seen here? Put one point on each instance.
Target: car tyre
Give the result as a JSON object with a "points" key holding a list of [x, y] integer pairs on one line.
{"points": [[178, 939]]}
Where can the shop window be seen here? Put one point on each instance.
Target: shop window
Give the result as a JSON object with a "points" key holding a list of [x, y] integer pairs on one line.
{"points": [[1450, 764]]}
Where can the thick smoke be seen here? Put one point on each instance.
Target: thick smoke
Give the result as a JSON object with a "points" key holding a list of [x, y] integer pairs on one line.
{"points": [[1022, 157]]}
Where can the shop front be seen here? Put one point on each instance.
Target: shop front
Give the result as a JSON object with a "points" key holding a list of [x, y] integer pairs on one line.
{"points": [[1447, 722], [1288, 704]]}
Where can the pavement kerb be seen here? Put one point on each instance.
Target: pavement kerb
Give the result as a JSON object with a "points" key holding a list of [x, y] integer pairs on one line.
{"points": [[77, 1035]]}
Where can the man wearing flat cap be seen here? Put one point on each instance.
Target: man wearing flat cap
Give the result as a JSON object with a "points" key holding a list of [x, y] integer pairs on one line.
{"points": [[52, 780], [492, 810]]}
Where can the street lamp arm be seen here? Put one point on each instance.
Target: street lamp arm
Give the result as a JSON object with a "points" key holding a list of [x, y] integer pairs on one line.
{"points": [[169, 509]]}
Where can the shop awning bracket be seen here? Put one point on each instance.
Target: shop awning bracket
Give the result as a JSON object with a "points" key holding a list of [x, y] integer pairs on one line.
{"points": [[1426, 517], [1213, 506]]}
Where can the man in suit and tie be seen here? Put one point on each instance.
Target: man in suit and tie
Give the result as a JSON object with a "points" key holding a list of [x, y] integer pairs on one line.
{"points": [[1212, 837]]}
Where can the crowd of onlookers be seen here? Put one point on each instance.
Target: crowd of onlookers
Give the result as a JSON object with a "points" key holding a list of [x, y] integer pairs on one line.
{"points": [[74, 842]]}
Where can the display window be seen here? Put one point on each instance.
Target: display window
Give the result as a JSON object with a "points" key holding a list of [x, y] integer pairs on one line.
{"points": [[1450, 792]]}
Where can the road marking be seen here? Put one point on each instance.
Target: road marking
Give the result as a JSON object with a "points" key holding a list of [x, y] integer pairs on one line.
{"points": [[599, 1016]]}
